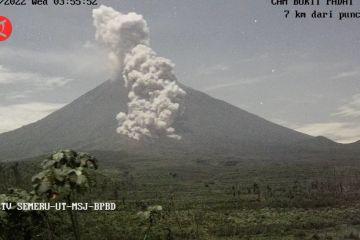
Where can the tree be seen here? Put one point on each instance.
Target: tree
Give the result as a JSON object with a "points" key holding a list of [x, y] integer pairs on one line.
{"points": [[64, 174], [18, 224], [17, 175]]}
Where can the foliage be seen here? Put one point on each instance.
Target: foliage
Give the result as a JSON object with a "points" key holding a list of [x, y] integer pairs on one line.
{"points": [[17, 224], [211, 200], [64, 172]]}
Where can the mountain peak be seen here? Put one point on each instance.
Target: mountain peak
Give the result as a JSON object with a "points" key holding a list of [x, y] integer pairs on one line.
{"points": [[208, 125]]}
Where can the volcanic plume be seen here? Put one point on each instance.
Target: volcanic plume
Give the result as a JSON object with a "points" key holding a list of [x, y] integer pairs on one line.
{"points": [[155, 98]]}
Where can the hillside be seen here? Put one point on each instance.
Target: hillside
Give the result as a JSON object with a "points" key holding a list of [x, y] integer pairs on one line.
{"points": [[208, 126]]}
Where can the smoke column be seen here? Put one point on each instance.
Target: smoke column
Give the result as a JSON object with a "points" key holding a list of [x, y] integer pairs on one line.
{"points": [[119, 33], [155, 99]]}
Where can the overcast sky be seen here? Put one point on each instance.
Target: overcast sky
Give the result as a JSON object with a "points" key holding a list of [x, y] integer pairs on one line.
{"points": [[303, 74]]}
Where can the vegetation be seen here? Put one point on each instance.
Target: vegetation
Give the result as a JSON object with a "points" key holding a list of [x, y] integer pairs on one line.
{"points": [[160, 198]]}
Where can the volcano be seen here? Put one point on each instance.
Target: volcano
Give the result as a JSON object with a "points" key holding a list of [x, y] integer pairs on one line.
{"points": [[208, 126]]}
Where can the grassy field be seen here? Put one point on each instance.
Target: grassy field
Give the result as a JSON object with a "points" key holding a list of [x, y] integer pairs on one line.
{"points": [[244, 198]]}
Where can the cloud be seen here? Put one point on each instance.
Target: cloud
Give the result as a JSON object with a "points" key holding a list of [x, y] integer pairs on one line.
{"points": [[342, 132], [17, 115], [348, 74], [119, 33], [284, 123], [338, 131], [89, 45], [213, 69], [85, 61], [155, 99], [350, 109], [37, 80], [245, 81], [346, 131]]}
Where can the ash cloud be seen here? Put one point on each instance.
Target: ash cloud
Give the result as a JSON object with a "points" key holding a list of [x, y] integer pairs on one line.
{"points": [[119, 33], [155, 98]]}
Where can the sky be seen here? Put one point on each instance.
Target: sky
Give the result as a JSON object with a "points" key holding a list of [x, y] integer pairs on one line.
{"points": [[300, 73]]}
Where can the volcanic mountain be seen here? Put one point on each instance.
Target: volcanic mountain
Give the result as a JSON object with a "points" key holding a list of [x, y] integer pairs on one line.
{"points": [[208, 126]]}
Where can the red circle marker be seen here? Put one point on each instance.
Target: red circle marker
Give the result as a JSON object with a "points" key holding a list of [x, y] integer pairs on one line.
{"points": [[5, 28]]}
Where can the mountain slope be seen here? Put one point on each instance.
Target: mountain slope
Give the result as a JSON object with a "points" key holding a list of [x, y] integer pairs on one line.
{"points": [[207, 126]]}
